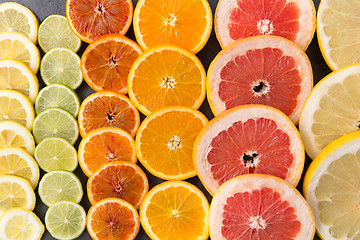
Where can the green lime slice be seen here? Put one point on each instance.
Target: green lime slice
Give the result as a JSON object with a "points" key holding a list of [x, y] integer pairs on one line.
{"points": [[61, 65], [65, 220], [56, 186], [55, 32], [55, 122], [56, 154], [57, 95]]}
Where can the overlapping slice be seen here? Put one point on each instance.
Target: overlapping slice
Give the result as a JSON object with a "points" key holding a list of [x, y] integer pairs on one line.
{"points": [[248, 139], [13, 134]]}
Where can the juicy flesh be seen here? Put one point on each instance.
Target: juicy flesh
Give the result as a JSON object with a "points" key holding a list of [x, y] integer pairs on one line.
{"points": [[13, 110], [12, 20], [12, 195], [12, 79], [14, 165], [8, 138], [14, 49]]}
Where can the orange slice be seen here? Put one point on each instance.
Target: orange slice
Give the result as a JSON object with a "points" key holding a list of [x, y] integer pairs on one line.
{"points": [[106, 62], [175, 210], [185, 23], [90, 19], [112, 219], [164, 142], [108, 109], [166, 76], [119, 179], [104, 145]]}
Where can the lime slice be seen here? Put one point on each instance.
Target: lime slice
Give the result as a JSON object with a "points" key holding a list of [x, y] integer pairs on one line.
{"points": [[55, 122], [61, 65], [20, 224], [56, 186], [15, 17], [57, 95], [56, 154], [65, 220], [13, 134]]}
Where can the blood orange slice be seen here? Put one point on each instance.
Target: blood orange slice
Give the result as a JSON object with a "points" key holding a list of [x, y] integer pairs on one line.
{"points": [[265, 70], [262, 207], [291, 19], [90, 19], [248, 139]]}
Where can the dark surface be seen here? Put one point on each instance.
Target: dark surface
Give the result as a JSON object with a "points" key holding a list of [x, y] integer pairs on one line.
{"points": [[44, 8]]}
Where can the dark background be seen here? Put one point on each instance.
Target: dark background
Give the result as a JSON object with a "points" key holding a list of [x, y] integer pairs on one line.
{"points": [[44, 8]]}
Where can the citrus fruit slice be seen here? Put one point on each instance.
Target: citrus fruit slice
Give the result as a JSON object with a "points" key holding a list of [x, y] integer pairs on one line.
{"points": [[331, 187], [104, 145], [16, 107], [267, 70], [331, 110], [15, 45], [61, 65], [55, 122], [20, 224], [57, 95], [237, 19], [108, 109], [106, 62], [56, 186], [164, 142], [54, 153], [175, 210], [92, 19], [15, 192], [248, 139], [121, 220], [65, 220], [18, 162], [185, 23], [16, 75], [166, 76], [55, 32], [15, 17], [119, 179], [13, 134], [259, 206]]}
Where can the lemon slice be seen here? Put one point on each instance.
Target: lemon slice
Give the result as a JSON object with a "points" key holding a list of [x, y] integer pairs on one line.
{"points": [[15, 45], [15, 17], [13, 134], [20, 224]]}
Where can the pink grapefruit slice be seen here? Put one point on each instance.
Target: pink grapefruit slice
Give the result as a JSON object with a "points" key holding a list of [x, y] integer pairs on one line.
{"points": [[248, 139], [267, 70], [291, 19], [258, 206]]}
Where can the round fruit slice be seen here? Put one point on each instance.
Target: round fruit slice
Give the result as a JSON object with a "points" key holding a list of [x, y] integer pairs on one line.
{"points": [[166, 76], [65, 220], [165, 140], [92, 19], [16, 107], [121, 220], [108, 109], [57, 186], [15, 45], [291, 19], [260, 206], [119, 179], [15, 17], [248, 139], [55, 32], [106, 62], [56, 154], [175, 210], [265, 70], [18, 162], [13, 134], [185, 23], [20, 224], [16, 75], [104, 145]]}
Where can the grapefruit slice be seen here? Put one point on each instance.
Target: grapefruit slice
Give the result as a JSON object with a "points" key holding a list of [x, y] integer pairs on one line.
{"points": [[258, 206], [291, 19], [248, 139], [265, 70]]}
